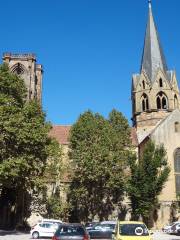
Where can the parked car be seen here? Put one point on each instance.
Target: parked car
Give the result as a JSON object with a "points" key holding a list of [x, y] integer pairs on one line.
{"points": [[171, 228], [50, 220], [71, 231], [44, 229], [90, 225], [126, 230], [102, 230], [174, 229]]}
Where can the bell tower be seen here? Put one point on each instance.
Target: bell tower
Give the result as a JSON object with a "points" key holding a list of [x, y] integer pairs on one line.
{"points": [[25, 66], [155, 91]]}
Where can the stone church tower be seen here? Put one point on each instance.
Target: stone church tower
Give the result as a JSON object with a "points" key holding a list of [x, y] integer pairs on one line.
{"points": [[155, 91], [25, 66], [156, 116]]}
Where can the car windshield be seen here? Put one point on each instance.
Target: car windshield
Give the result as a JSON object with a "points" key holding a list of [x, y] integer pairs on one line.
{"points": [[103, 225], [133, 230], [70, 230]]}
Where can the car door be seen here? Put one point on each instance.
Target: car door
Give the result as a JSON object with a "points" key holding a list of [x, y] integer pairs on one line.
{"points": [[106, 231], [95, 232], [71, 233], [49, 229], [43, 231]]}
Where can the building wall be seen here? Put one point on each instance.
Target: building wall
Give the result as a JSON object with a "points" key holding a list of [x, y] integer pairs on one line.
{"points": [[165, 134], [25, 66], [148, 119]]}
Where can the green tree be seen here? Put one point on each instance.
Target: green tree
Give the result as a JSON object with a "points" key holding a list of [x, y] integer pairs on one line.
{"points": [[24, 147], [56, 207], [99, 157], [147, 179], [55, 171]]}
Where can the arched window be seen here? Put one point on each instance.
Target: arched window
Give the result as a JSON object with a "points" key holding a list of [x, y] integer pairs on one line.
{"points": [[161, 101], [143, 83], [160, 82], [145, 102], [175, 102], [18, 69], [177, 127], [177, 169]]}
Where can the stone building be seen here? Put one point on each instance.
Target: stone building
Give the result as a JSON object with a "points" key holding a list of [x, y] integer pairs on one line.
{"points": [[156, 115], [25, 66], [155, 110]]}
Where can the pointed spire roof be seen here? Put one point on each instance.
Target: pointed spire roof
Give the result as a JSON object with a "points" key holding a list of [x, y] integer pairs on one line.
{"points": [[153, 57]]}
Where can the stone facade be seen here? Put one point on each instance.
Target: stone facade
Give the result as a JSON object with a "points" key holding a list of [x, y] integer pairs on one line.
{"points": [[25, 66], [145, 95], [156, 116], [155, 113]]}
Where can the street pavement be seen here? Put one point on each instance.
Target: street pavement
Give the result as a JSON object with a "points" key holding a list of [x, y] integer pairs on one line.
{"points": [[21, 236]]}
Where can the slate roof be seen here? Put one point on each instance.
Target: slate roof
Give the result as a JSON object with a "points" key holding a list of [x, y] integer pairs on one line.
{"points": [[153, 56]]}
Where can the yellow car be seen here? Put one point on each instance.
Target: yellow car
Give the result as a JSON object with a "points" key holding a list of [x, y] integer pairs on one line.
{"points": [[131, 230]]}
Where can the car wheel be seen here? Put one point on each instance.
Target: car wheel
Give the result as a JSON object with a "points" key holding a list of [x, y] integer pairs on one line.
{"points": [[35, 235]]}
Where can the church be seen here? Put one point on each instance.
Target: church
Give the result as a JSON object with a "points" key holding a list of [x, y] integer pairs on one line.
{"points": [[155, 110], [156, 115]]}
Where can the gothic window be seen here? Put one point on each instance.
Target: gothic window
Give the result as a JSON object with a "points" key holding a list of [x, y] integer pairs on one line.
{"points": [[158, 103], [161, 101], [177, 169], [145, 102], [18, 69], [143, 83], [160, 82], [143, 105], [177, 127], [175, 102]]}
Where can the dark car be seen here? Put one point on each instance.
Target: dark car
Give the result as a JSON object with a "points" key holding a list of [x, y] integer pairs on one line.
{"points": [[102, 230], [90, 225], [71, 231]]}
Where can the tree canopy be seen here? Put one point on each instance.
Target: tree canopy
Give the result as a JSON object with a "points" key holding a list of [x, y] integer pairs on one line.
{"points": [[24, 146], [147, 179], [99, 156]]}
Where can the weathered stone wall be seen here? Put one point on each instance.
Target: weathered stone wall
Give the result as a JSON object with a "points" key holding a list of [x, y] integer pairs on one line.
{"points": [[25, 66], [142, 85]]}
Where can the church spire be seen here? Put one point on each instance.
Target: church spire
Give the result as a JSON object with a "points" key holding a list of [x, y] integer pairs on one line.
{"points": [[153, 57]]}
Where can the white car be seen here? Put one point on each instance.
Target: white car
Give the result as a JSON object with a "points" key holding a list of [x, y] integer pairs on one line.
{"points": [[44, 229], [172, 228]]}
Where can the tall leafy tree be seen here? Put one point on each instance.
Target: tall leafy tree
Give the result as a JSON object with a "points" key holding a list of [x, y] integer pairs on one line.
{"points": [[121, 127], [98, 155], [147, 179], [24, 147]]}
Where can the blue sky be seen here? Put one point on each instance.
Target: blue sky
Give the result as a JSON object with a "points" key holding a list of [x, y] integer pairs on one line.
{"points": [[89, 49]]}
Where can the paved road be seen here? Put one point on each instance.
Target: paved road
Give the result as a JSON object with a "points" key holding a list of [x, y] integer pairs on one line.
{"points": [[21, 236]]}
